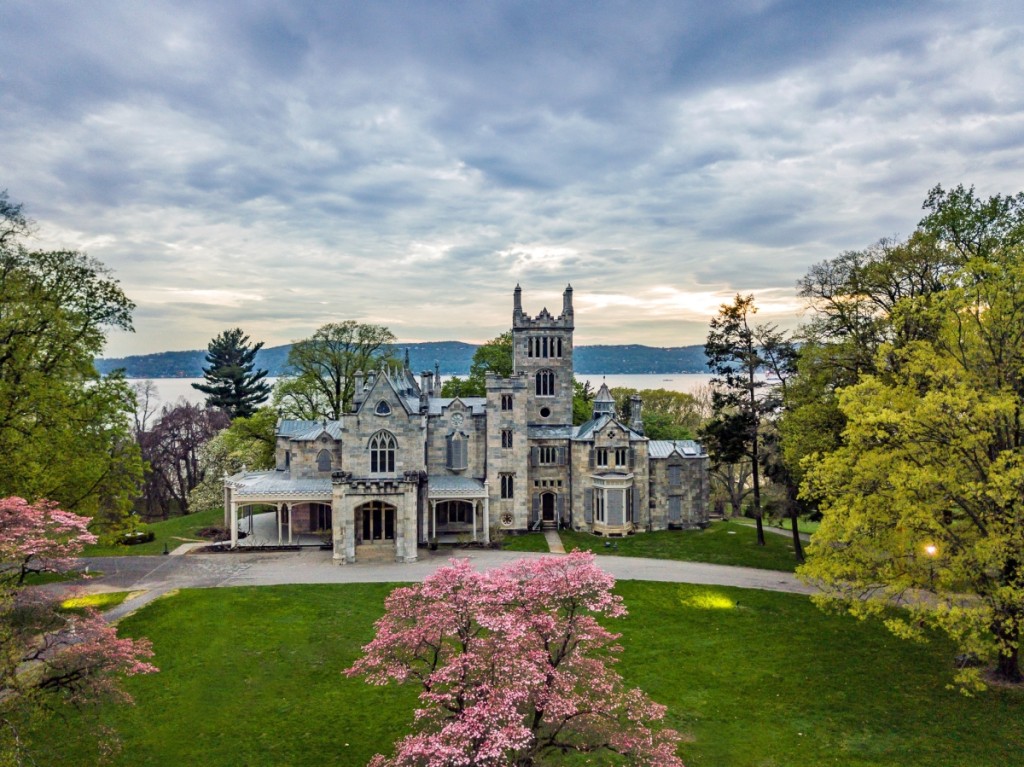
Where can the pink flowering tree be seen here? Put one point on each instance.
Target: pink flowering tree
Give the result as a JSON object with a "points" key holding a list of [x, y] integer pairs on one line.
{"points": [[38, 537], [49, 656], [514, 667]]}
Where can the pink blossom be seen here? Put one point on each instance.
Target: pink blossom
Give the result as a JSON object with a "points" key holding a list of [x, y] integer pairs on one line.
{"points": [[43, 649], [39, 537], [513, 663]]}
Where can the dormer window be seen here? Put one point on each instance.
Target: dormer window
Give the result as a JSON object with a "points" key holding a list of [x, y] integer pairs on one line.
{"points": [[323, 460], [383, 408]]}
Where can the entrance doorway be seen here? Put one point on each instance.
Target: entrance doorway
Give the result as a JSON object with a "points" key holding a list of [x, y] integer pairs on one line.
{"points": [[547, 507], [376, 522]]}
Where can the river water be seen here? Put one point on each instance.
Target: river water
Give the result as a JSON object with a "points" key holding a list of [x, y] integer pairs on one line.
{"points": [[171, 389]]}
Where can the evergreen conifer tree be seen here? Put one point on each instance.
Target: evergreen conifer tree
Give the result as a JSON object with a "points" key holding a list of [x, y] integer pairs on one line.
{"points": [[232, 382]]}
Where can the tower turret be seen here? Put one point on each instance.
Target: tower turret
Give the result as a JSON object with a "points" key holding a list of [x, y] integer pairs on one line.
{"points": [[542, 351], [604, 402]]}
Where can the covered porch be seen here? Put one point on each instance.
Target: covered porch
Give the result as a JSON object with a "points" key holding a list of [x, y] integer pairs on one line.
{"points": [[272, 509], [456, 507]]}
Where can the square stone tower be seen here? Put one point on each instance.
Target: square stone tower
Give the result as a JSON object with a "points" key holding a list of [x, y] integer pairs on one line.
{"points": [[542, 352]]}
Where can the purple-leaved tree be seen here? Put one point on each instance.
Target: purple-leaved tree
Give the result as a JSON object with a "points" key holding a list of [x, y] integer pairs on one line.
{"points": [[514, 666]]}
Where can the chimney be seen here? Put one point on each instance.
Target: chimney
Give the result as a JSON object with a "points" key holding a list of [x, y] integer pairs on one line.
{"points": [[357, 396], [636, 406], [567, 301]]}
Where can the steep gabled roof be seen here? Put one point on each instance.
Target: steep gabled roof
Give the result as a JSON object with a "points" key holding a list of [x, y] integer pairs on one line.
{"points": [[377, 392], [587, 431]]}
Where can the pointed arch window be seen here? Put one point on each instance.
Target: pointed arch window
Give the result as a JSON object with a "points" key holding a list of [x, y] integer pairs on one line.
{"points": [[323, 460], [545, 383], [382, 453]]}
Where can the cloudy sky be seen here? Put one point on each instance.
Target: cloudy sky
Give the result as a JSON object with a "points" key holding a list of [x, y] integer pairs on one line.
{"points": [[278, 165]]}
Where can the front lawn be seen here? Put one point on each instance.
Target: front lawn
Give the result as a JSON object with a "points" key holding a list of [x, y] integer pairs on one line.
{"points": [[526, 542], [253, 676], [723, 543], [173, 532]]}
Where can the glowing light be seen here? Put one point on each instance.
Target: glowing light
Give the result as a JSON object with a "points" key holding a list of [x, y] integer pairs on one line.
{"points": [[710, 601], [931, 549]]}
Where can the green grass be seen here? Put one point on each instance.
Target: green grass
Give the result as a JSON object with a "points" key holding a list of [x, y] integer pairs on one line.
{"points": [[169, 531], [723, 543], [752, 679], [803, 525], [526, 542]]}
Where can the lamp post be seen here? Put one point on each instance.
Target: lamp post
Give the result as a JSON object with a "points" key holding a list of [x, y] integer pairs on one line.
{"points": [[931, 550]]}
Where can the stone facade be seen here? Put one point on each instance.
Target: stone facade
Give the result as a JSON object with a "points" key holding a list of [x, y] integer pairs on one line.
{"points": [[407, 466]]}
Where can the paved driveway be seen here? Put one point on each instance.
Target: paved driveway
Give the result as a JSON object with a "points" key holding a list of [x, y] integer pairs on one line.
{"points": [[160, 574]]}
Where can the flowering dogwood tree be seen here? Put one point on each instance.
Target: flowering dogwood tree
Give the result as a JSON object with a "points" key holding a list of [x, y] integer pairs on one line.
{"points": [[514, 666], [47, 655]]}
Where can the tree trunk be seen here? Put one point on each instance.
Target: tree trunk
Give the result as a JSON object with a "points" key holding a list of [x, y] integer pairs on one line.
{"points": [[798, 547], [758, 514], [1008, 668]]}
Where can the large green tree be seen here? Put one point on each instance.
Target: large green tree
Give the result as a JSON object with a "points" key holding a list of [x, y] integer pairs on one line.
{"points": [[666, 414], [324, 367], [923, 499], [65, 431], [247, 443], [232, 381], [495, 356]]}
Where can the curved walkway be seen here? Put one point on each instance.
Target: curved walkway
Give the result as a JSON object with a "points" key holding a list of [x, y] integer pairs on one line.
{"points": [[156, 575]]}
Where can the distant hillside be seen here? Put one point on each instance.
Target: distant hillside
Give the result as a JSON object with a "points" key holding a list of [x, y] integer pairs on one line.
{"points": [[454, 357]]}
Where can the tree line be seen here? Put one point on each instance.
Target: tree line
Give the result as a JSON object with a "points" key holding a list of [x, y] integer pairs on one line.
{"points": [[895, 415]]}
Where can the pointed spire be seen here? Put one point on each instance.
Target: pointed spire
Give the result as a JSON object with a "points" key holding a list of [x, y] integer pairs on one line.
{"points": [[604, 402]]}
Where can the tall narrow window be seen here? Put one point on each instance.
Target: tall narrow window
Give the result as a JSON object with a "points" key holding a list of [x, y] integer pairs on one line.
{"points": [[545, 383], [382, 453], [602, 456], [457, 451], [506, 438], [323, 460], [621, 456], [507, 484], [506, 401]]}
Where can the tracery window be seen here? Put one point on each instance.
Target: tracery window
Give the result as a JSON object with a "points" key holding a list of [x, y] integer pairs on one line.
{"points": [[382, 453]]}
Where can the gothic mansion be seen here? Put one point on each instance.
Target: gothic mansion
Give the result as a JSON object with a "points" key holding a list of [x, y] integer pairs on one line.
{"points": [[407, 466]]}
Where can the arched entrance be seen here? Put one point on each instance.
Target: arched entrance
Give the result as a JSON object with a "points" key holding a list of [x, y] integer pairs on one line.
{"points": [[547, 507], [375, 522]]}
